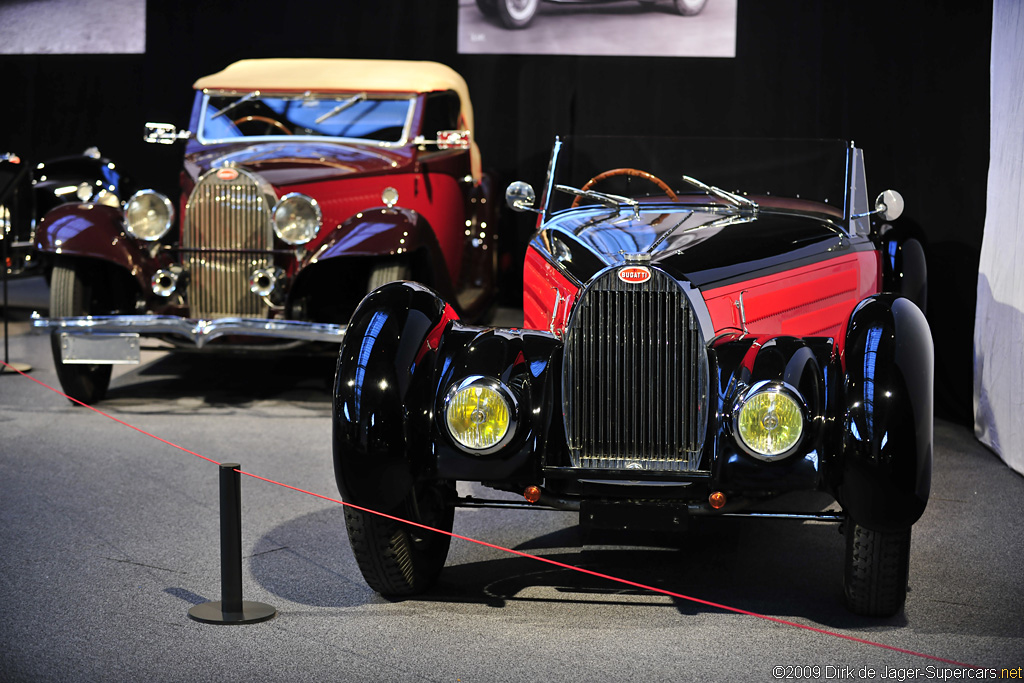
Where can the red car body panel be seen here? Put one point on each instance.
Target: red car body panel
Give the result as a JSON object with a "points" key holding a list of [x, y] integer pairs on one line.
{"points": [[547, 295], [810, 301]]}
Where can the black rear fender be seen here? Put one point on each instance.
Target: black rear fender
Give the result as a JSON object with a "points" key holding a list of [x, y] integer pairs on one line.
{"points": [[904, 267]]}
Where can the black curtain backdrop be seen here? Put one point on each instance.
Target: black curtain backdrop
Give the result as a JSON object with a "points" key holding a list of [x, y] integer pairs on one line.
{"points": [[908, 81]]}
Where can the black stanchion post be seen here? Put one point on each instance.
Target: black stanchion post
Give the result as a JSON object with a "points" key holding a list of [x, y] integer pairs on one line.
{"points": [[7, 218], [231, 609]]}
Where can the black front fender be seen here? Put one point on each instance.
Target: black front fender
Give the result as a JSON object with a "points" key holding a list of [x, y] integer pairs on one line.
{"points": [[527, 363], [383, 385], [888, 423]]}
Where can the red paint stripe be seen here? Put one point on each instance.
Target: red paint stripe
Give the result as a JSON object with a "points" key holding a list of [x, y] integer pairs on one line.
{"points": [[562, 565]]}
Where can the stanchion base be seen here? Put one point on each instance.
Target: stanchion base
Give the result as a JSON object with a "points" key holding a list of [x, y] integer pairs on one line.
{"points": [[252, 613], [14, 368]]}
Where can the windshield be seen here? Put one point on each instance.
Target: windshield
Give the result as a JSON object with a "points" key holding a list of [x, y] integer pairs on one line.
{"points": [[816, 170], [351, 116]]}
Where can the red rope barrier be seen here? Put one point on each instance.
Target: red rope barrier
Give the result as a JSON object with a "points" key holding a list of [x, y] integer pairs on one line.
{"points": [[512, 551]]}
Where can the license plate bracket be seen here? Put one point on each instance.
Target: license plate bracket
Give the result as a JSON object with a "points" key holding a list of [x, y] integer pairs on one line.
{"points": [[99, 349]]}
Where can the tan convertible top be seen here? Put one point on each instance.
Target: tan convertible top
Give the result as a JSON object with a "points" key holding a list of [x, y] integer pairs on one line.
{"points": [[346, 75]]}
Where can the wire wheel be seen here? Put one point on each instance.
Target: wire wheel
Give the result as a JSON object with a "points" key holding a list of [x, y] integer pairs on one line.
{"points": [[517, 13]]}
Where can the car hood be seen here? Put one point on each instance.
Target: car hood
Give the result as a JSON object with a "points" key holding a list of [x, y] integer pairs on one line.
{"points": [[708, 247], [286, 163]]}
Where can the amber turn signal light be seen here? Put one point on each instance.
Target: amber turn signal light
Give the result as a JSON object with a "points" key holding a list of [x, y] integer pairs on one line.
{"points": [[717, 500], [532, 494]]}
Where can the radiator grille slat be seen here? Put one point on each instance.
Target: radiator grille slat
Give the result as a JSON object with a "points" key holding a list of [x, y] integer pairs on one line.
{"points": [[635, 382], [225, 237]]}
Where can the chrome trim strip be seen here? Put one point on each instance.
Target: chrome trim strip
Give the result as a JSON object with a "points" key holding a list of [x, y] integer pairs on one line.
{"points": [[404, 141], [800, 516], [198, 331]]}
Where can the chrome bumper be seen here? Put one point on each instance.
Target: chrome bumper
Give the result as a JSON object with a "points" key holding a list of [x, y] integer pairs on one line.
{"points": [[199, 332]]}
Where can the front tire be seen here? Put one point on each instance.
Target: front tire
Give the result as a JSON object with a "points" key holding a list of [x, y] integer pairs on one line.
{"points": [[877, 566], [72, 294], [517, 13], [398, 559]]}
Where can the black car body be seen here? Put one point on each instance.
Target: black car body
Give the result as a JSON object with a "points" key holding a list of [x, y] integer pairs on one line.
{"points": [[28, 192], [687, 351]]}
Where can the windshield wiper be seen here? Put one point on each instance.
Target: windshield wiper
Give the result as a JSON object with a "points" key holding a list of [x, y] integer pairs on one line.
{"points": [[742, 203], [665, 235], [240, 100], [612, 201], [355, 99]]}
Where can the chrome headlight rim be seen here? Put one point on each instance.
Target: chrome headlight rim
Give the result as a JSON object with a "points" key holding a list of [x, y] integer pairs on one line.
{"points": [[777, 388], [503, 392], [287, 200], [161, 200]]}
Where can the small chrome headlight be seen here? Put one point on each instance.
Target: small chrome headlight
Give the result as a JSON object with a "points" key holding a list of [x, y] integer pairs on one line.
{"points": [[480, 414], [769, 419], [148, 215], [297, 218]]}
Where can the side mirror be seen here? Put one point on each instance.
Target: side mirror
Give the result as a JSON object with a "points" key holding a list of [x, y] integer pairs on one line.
{"points": [[447, 139], [520, 196], [164, 133], [890, 205]]}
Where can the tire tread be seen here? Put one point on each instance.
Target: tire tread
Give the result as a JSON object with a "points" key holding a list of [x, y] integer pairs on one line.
{"points": [[877, 567]]}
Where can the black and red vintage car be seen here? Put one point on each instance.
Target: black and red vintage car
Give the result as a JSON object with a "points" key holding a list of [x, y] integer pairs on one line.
{"points": [[711, 327], [520, 13], [306, 183]]}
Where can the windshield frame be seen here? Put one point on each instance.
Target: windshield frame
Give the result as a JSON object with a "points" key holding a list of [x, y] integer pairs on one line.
{"points": [[844, 188], [204, 110]]}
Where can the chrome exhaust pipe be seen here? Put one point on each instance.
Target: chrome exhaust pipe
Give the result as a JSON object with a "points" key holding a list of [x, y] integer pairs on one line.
{"points": [[164, 282], [263, 280]]}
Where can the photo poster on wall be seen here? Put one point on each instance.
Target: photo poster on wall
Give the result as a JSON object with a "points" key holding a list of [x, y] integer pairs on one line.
{"points": [[636, 28], [63, 27]]}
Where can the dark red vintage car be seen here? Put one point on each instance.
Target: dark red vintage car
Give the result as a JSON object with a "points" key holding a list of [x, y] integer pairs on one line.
{"points": [[306, 183], [520, 13], [711, 327]]}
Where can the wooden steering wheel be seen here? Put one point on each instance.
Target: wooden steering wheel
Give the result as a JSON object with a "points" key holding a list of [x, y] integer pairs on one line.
{"points": [[633, 172], [263, 119]]}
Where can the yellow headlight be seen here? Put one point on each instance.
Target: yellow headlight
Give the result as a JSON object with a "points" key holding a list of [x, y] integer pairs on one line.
{"points": [[478, 416], [770, 422]]}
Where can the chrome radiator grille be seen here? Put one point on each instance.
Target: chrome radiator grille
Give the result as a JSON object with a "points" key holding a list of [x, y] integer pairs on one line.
{"points": [[226, 235], [635, 377]]}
